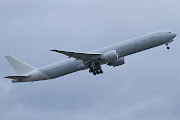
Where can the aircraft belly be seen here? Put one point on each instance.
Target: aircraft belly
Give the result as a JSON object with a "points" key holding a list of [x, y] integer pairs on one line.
{"points": [[60, 69]]}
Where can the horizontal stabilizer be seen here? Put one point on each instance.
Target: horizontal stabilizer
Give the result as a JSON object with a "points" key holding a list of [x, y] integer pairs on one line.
{"points": [[80, 55], [17, 77]]}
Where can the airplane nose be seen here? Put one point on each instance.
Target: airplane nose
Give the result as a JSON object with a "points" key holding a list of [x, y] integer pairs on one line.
{"points": [[174, 34]]}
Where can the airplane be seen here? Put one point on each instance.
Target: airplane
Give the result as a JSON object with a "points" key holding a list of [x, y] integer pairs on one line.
{"points": [[112, 55]]}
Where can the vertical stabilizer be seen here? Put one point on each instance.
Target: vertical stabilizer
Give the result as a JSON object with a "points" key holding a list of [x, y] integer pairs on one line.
{"points": [[19, 66]]}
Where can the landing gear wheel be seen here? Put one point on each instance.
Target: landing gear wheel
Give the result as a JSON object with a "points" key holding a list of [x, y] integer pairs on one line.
{"points": [[95, 68], [94, 73], [167, 46], [101, 71], [91, 70], [97, 71]]}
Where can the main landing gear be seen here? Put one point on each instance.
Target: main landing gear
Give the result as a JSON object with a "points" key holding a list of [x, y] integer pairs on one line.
{"points": [[95, 68]]}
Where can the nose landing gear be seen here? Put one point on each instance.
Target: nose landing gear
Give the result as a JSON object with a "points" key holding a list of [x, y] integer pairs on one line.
{"points": [[95, 68], [168, 43], [167, 46]]}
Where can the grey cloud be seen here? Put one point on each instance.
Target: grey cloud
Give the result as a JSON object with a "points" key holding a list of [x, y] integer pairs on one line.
{"points": [[146, 87]]}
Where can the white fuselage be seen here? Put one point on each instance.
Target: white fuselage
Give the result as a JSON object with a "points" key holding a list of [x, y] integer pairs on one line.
{"points": [[125, 48]]}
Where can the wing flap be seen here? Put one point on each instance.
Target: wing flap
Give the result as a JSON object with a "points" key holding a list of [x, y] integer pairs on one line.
{"points": [[17, 77], [80, 55]]}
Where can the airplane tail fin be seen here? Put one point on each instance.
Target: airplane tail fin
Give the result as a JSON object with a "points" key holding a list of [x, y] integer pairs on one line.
{"points": [[19, 66]]}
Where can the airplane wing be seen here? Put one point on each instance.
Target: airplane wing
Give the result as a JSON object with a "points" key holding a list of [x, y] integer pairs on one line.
{"points": [[17, 77], [80, 55]]}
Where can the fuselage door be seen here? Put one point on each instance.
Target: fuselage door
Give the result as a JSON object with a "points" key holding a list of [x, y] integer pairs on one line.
{"points": [[159, 35]]}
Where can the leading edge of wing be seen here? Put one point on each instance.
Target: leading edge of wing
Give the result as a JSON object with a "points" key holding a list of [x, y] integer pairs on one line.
{"points": [[79, 55]]}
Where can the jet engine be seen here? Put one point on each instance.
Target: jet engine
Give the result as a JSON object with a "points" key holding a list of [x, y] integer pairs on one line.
{"points": [[110, 56], [117, 62]]}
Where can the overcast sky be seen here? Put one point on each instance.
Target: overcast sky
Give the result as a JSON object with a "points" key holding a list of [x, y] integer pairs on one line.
{"points": [[145, 88]]}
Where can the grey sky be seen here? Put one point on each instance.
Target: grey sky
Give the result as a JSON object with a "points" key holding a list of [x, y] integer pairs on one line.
{"points": [[146, 87]]}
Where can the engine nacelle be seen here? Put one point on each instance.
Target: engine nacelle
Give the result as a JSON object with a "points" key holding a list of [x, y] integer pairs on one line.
{"points": [[110, 56], [117, 62]]}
